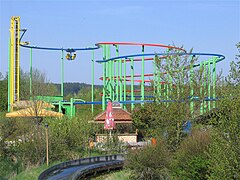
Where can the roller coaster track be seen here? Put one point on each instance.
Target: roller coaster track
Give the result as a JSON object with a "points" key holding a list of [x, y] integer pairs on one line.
{"points": [[82, 168]]}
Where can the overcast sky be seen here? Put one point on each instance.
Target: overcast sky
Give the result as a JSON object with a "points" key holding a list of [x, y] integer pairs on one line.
{"points": [[204, 25]]}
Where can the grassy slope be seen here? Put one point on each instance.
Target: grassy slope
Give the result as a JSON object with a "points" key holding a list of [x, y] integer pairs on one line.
{"points": [[118, 175], [33, 173]]}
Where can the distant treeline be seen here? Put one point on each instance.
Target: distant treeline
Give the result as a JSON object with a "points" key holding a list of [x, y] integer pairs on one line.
{"points": [[74, 88]]}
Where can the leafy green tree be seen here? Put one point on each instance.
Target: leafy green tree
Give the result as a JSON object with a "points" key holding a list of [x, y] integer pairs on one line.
{"points": [[224, 151], [3, 93], [234, 73], [167, 118]]}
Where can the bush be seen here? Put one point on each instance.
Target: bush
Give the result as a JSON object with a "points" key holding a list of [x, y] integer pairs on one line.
{"points": [[190, 160], [151, 162], [24, 140]]}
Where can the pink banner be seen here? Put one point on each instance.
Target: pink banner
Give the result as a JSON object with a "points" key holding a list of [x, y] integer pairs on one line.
{"points": [[109, 120]]}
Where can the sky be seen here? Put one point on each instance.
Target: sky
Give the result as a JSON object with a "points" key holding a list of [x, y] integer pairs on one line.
{"points": [[209, 26]]}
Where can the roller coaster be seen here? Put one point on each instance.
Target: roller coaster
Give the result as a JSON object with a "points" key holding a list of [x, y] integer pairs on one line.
{"points": [[124, 76], [83, 168]]}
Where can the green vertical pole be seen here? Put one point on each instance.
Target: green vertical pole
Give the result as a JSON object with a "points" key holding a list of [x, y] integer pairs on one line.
{"points": [[209, 84], [159, 85], [30, 70], [154, 77], [214, 81], [71, 108], [132, 83], [142, 75], [104, 79], [9, 74], [205, 86], [92, 79], [201, 88], [121, 82], [192, 92], [125, 83], [62, 75], [167, 79], [117, 74], [110, 69]]}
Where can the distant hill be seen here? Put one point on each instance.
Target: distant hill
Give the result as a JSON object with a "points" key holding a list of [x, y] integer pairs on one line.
{"points": [[71, 88]]}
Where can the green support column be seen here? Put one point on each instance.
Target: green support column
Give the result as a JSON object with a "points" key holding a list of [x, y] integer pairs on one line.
{"points": [[214, 81], [205, 86], [142, 75], [154, 77], [30, 71], [104, 79], [159, 85], [132, 83], [125, 83], [71, 108], [62, 75], [92, 80], [121, 82], [167, 79], [9, 74], [117, 74], [209, 84], [192, 92], [110, 70], [201, 88]]}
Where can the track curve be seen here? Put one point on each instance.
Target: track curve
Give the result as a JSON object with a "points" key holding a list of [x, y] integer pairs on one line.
{"points": [[84, 167]]}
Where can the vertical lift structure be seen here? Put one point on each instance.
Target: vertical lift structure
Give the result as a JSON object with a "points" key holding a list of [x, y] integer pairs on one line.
{"points": [[14, 62]]}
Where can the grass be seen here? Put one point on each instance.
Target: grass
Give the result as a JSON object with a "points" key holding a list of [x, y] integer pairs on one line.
{"points": [[117, 175], [2, 114], [33, 173]]}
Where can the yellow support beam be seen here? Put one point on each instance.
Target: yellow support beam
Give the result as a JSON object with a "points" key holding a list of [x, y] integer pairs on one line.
{"points": [[14, 60]]}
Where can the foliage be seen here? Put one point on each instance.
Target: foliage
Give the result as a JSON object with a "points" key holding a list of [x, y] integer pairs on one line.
{"points": [[23, 140], [234, 74], [225, 150], [210, 153], [69, 137], [6, 168], [111, 145], [32, 173], [72, 89], [190, 160], [41, 86], [3, 94], [151, 162], [118, 175], [167, 118], [162, 119]]}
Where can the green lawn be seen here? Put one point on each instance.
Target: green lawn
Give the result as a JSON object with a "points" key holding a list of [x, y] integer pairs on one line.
{"points": [[118, 175], [33, 173]]}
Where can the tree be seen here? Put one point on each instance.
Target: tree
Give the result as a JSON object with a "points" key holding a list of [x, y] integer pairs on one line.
{"points": [[234, 74], [224, 151], [180, 80], [3, 93], [1, 76]]}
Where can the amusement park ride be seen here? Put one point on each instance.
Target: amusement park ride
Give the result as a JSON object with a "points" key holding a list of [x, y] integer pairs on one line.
{"points": [[120, 76]]}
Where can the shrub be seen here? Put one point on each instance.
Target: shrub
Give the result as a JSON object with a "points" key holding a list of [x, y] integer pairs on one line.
{"points": [[151, 162], [190, 160]]}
